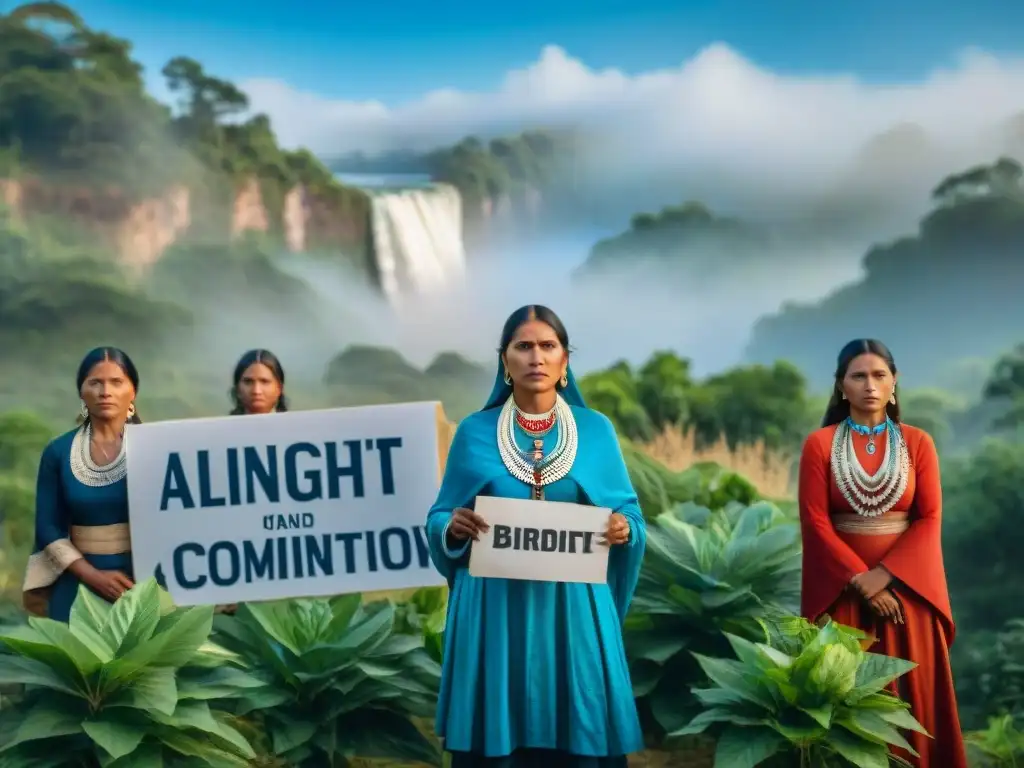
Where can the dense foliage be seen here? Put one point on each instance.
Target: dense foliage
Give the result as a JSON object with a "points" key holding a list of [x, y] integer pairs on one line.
{"points": [[74, 110], [965, 254]]}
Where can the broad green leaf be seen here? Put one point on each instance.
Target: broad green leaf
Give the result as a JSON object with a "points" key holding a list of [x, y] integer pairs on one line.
{"points": [[148, 755], [116, 736], [384, 735], [134, 617], [875, 672], [29, 643], [153, 689], [18, 670], [746, 747], [656, 644], [732, 675], [62, 636], [870, 726], [89, 615], [862, 754], [287, 733], [196, 715], [902, 718], [44, 720]]}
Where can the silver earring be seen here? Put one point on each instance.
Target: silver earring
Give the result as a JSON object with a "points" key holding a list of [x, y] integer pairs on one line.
{"points": [[508, 379], [131, 410], [844, 395], [84, 410], [892, 397]]}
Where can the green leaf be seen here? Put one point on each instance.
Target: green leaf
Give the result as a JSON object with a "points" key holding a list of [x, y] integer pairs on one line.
{"points": [[746, 747], [117, 737], [384, 735], [656, 644], [645, 676], [902, 718], [732, 675], [29, 643], [45, 719], [153, 689], [863, 754], [875, 672], [134, 617], [196, 715], [18, 670], [870, 726]]}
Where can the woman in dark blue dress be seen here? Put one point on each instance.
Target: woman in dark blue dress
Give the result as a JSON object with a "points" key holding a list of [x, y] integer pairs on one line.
{"points": [[82, 534]]}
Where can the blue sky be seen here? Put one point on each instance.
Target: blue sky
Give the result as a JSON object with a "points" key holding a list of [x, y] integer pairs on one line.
{"points": [[395, 51]]}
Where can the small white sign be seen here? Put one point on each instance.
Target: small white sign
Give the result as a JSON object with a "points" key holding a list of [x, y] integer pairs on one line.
{"points": [[297, 504], [540, 541]]}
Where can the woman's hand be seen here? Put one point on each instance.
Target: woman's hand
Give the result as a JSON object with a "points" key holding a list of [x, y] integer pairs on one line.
{"points": [[887, 605], [109, 584], [466, 524], [870, 583], [618, 530]]}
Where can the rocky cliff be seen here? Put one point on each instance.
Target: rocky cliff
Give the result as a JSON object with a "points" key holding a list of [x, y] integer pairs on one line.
{"points": [[139, 232]]}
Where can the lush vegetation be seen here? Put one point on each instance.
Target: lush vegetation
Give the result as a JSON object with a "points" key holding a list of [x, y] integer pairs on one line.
{"points": [[944, 295]]}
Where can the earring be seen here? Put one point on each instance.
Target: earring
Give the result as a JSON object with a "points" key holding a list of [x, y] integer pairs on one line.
{"points": [[892, 397], [565, 381], [844, 395], [131, 410], [508, 379], [84, 410]]}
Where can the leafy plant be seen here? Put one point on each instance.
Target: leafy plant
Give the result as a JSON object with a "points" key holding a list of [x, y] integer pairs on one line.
{"points": [[101, 690], [424, 614], [705, 573], [1001, 745], [328, 680], [809, 694]]}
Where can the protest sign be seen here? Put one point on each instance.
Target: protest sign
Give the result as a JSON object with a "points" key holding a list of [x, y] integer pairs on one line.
{"points": [[304, 503], [540, 541]]}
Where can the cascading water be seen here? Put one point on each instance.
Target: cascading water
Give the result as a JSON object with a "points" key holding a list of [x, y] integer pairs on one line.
{"points": [[417, 239]]}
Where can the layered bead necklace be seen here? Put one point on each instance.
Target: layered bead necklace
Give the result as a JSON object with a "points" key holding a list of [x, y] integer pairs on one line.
{"points": [[532, 466], [87, 471], [870, 495]]}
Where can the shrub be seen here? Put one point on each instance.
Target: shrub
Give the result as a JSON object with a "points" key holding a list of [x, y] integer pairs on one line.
{"points": [[101, 690], [705, 573], [327, 680], [810, 696]]}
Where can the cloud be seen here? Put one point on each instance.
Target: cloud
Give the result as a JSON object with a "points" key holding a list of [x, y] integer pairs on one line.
{"points": [[717, 106]]}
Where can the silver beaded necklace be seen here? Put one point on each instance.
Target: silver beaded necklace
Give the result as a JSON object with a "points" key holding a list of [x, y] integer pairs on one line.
{"points": [[533, 467], [87, 471], [871, 495]]}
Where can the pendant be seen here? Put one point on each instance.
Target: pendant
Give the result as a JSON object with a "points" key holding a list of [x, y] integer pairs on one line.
{"points": [[870, 448], [538, 455]]}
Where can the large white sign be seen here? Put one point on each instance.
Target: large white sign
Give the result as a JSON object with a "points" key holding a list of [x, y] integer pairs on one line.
{"points": [[540, 541], [305, 503]]}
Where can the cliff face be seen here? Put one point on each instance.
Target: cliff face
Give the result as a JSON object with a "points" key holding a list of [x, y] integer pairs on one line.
{"points": [[140, 232]]}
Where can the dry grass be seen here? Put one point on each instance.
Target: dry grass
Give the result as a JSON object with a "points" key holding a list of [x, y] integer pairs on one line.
{"points": [[770, 472]]}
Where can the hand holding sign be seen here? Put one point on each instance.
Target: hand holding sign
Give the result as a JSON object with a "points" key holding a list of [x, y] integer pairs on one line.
{"points": [[467, 524], [618, 530]]}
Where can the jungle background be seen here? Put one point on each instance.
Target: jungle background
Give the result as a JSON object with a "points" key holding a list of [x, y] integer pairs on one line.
{"points": [[159, 230]]}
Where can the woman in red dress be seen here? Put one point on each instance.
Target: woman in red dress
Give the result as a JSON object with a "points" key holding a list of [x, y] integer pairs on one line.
{"points": [[870, 510]]}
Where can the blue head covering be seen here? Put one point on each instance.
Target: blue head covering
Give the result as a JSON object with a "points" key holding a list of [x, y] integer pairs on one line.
{"points": [[500, 391]]}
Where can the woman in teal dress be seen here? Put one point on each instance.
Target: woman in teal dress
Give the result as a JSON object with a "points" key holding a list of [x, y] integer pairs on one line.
{"points": [[82, 534], [535, 673]]}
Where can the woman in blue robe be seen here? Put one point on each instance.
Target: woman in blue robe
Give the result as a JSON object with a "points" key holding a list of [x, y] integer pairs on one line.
{"points": [[82, 534], [535, 673]]}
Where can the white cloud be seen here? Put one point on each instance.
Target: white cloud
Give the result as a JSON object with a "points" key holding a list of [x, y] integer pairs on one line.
{"points": [[717, 105]]}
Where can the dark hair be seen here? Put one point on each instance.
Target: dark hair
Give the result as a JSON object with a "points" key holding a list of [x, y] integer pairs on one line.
{"points": [[108, 355], [524, 315], [839, 409], [253, 356]]}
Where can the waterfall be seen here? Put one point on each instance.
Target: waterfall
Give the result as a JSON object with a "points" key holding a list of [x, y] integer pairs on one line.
{"points": [[417, 239]]}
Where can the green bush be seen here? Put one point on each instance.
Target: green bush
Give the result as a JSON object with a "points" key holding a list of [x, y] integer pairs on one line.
{"points": [[810, 697], [1001, 745], [102, 690], [705, 573], [327, 680]]}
